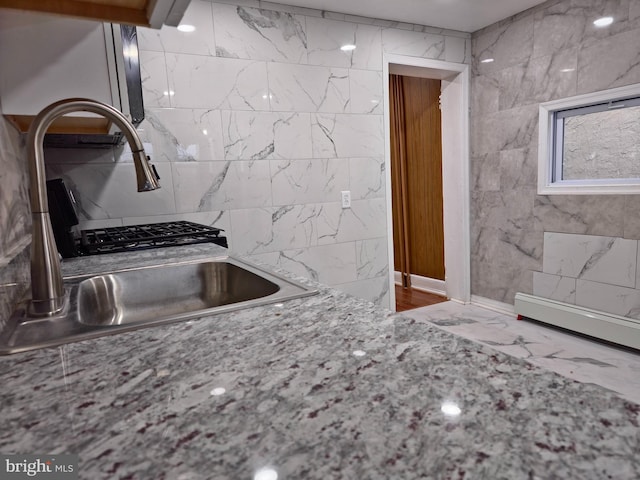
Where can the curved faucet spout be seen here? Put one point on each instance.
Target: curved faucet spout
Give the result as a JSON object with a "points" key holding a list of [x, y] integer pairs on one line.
{"points": [[47, 290]]}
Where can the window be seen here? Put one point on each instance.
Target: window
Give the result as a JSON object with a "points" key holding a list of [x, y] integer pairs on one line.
{"points": [[590, 144]]}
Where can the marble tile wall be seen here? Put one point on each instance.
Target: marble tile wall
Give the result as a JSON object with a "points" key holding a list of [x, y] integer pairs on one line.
{"points": [[591, 271], [256, 122], [548, 52], [15, 219]]}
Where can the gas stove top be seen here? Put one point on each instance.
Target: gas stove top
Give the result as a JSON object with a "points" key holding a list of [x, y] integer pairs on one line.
{"points": [[141, 237]]}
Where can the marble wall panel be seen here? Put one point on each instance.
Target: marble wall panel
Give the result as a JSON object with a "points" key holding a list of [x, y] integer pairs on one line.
{"points": [[550, 52], [610, 260], [266, 135], [608, 298], [347, 135], [555, 287], [416, 44], [207, 186], [375, 290], [457, 49], [198, 81], [308, 181], [329, 264], [365, 87], [306, 88], [259, 34], [612, 62], [155, 85], [365, 219], [187, 135], [367, 177], [325, 37], [272, 229], [170, 39], [372, 258]]}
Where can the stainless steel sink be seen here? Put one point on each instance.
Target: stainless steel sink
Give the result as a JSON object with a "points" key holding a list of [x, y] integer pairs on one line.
{"points": [[129, 299]]}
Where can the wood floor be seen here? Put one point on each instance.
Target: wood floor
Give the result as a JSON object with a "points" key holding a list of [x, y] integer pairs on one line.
{"points": [[409, 298]]}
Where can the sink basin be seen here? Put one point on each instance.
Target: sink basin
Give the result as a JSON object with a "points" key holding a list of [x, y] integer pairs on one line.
{"points": [[135, 298]]}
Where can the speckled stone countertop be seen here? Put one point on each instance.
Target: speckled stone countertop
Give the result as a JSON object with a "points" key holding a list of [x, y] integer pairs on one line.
{"points": [[324, 387]]}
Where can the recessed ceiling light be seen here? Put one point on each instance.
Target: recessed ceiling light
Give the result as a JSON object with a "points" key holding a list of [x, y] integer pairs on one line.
{"points": [[348, 47], [486, 60], [186, 28], [603, 22]]}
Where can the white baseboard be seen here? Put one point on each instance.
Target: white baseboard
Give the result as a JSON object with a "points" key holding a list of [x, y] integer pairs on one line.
{"points": [[424, 284], [496, 306], [613, 328]]}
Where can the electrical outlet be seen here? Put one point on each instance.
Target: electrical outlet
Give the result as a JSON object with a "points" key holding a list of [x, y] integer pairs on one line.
{"points": [[346, 198]]}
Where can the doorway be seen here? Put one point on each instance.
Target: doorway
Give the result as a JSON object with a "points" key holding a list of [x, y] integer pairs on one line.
{"points": [[454, 100]]}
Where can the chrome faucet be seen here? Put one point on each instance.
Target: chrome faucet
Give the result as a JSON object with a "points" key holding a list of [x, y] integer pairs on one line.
{"points": [[47, 290]]}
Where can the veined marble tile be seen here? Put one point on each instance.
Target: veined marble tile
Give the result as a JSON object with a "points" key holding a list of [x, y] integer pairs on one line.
{"points": [[170, 39], [308, 181], [328, 264], [631, 220], [242, 32], [372, 258], [271, 229], [266, 135], [485, 96], [219, 219], [519, 168], [588, 257], [416, 44], [376, 290], [504, 130], [554, 287], [545, 78], [213, 186], [367, 177], [107, 191], [347, 135], [570, 23], [366, 91], [508, 44], [499, 282], [608, 298], [197, 81], [365, 219], [185, 135], [457, 49], [485, 172], [155, 85], [634, 11], [593, 215], [307, 88], [612, 62], [325, 37]]}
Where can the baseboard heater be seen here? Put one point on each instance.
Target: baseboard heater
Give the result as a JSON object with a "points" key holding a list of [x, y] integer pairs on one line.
{"points": [[606, 326]]}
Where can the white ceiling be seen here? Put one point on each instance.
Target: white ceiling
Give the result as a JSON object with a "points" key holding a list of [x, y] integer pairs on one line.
{"points": [[463, 15]]}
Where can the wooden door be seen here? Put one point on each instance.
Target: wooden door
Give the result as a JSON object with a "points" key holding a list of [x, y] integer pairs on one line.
{"points": [[416, 173]]}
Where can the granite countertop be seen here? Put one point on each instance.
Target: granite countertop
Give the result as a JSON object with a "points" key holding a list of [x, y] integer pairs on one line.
{"points": [[324, 387]]}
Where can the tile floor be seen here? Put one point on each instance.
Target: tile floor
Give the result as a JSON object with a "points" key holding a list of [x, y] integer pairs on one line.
{"points": [[570, 355]]}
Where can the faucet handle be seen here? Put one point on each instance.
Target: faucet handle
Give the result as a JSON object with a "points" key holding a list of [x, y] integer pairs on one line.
{"points": [[153, 167]]}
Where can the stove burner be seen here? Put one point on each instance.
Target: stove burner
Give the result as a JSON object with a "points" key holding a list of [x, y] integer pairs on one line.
{"points": [[141, 237]]}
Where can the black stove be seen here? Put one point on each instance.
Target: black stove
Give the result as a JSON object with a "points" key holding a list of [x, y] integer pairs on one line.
{"points": [[142, 237]]}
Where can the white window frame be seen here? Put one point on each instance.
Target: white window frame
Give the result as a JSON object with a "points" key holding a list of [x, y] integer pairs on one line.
{"points": [[550, 171]]}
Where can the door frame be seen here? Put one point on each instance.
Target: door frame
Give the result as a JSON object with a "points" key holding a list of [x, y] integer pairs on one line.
{"points": [[454, 102]]}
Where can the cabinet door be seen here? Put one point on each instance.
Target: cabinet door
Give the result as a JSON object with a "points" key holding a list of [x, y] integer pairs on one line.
{"points": [[46, 58]]}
